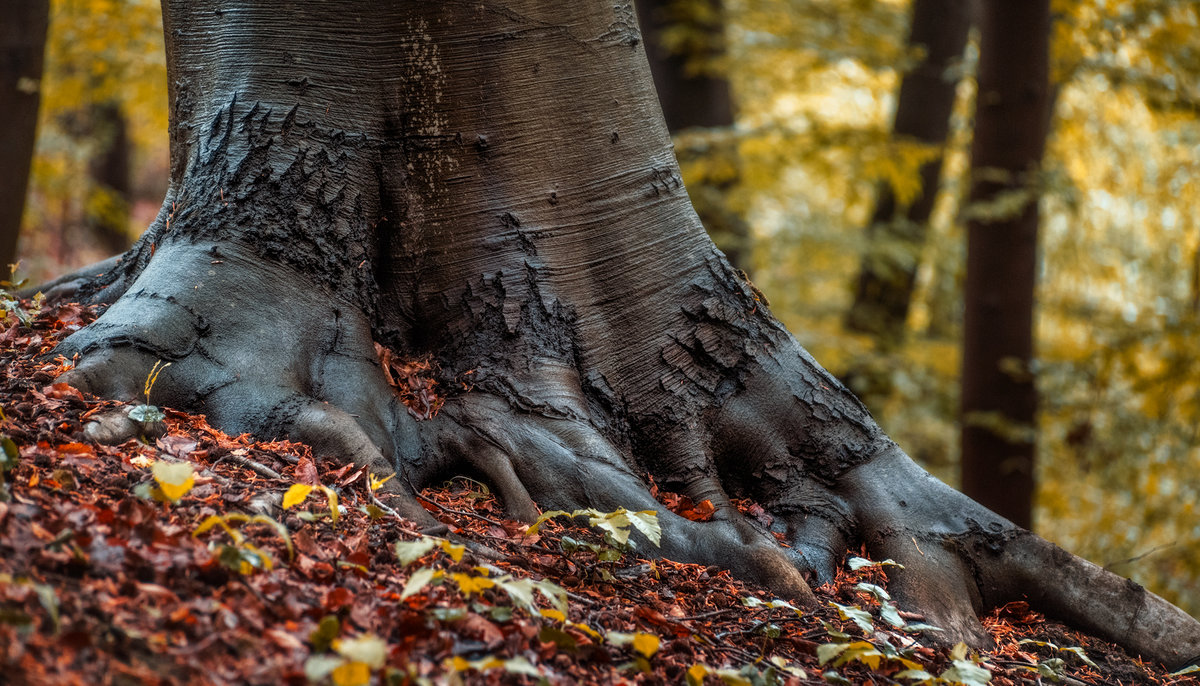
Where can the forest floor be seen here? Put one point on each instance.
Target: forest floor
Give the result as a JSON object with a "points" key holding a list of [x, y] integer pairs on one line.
{"points": [[174, 561]]}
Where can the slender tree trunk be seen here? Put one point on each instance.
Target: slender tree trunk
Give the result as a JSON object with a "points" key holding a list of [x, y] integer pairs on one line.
{"points": [[22, 43], [896, 233], [692, 98], [110, 197], [999, 398]]}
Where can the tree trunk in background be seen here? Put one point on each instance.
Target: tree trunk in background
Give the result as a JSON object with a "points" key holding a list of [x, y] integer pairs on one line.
{"points": [[999, 398], [22, 43], [896, 234], [693, 98], [110, 196]]}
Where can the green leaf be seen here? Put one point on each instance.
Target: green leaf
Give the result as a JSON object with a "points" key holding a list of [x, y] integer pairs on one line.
{"points": [[1193, 669], [323, 636], [859, 616], [9, 454], [914, 674], [146, 414], [411, 551], [174, 479], [419, 580], [519, 665], [966, 673], [646, 521], [829, 651], [318, 667], [889, 614], [367, 648]]}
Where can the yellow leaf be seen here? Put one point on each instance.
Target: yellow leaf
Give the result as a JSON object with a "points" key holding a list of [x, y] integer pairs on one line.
{"points": [[646, 644], [696, 674], [454, 551], [377, 483], [332, 497], [459, 664], [553, 614], [296, 493], [352, 673], [174, 478], [470, 585]]}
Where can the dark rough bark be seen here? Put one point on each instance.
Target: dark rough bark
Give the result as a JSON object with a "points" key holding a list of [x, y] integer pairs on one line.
{"points": [[999, 399], [22, 44], [896, 233], [482, 183], [692, 98]]}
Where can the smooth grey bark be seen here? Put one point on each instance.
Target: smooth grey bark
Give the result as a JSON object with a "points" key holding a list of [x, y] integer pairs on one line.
{"points": [[493, 185], [22, 45]]}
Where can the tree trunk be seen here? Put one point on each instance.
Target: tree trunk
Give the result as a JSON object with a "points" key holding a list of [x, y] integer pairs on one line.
{"points": [[490, 186], [22, 43], [999, 399], [896, 233], [110, 195], [692, 99]]}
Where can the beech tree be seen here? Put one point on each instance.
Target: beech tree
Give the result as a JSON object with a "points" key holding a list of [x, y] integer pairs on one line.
{"points": [[490, 187]]}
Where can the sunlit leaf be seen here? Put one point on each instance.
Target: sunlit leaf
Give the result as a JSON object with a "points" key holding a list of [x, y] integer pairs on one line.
{"points": [[174, 479], [351, 673], [296, 493], [410, 551], [454, 550], [646, 644], [419, 579], [318, 667], [646, 521], [366, 648], [470, 585]]}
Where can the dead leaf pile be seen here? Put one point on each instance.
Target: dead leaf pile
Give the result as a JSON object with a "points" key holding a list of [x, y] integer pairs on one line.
{"points": [[203, 558]]}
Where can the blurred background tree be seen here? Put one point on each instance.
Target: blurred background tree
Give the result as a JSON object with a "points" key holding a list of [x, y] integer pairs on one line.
{"points": [[100, 170], [815, 161]]}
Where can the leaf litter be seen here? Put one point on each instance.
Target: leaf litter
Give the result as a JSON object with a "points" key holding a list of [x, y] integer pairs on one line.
{"points": [[203, 558]]}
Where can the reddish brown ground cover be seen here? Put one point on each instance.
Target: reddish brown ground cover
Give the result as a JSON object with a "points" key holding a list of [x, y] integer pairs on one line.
{"points": [[100, 582]]}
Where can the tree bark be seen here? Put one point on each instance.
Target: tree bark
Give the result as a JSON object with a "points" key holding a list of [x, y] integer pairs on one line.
{"points": [[490, 187], [22, 44], [999, 399], [896, 233]]}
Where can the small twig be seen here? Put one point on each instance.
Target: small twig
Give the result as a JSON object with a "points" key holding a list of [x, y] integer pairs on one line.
{"points": [[461, 513], [388, 510], [258, 468], [714, 613]]}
